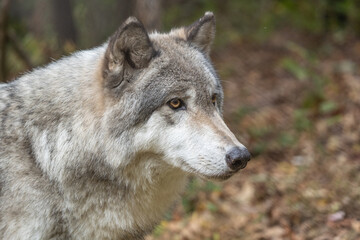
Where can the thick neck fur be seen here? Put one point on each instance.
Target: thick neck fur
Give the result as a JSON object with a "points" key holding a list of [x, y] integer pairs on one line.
{"points": [[104, 188]]}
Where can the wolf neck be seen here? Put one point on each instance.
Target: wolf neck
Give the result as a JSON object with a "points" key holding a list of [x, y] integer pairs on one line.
{"points": [[135, 200]]}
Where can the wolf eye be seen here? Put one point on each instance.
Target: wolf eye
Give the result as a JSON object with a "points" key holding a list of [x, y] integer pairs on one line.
{"points": [[176, 103], [213, 99]]}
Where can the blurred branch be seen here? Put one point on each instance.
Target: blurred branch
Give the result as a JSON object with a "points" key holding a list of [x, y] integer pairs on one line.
{"points": [[3, 37]]}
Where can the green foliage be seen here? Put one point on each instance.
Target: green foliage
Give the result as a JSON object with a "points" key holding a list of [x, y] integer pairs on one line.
{"points": [[216, 236], [212, 207], [259, 147], [287, 139], [294, 68], [313, 100], [302, 121], [195, 186], [242, 112], [328, 106], [259, 131], [159, 229]]}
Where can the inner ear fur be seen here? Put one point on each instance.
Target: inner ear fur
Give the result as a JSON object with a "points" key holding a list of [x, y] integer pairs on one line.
{"points": [[202, 32], [128, 49]]}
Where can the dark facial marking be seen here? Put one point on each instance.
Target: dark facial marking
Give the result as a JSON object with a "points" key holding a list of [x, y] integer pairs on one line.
{"points": [[169, 119]]}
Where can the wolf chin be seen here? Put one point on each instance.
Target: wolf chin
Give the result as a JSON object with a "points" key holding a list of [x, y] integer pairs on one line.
{"points": [[98, 145]]}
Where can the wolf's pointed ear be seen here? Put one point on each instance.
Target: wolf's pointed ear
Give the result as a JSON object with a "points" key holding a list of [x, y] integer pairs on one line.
{"points": [[128, 49], [202, 32]]}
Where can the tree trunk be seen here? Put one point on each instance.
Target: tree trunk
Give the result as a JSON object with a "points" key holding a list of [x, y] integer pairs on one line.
{"points": [[149, 13], [63, 21], [3, 37], [125, 9]]}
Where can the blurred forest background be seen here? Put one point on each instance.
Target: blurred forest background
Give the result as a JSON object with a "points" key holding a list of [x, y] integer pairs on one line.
{"points": [[290, 71]]}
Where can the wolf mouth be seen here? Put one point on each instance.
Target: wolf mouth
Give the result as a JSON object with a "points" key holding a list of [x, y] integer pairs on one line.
{"points": [[219, 177]]}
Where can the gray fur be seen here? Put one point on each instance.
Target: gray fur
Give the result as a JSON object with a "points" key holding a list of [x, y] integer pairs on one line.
{"points": [[73, 161]]}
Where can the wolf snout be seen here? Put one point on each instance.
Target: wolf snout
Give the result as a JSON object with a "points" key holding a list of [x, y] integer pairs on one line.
{"points": [[237, 158]]}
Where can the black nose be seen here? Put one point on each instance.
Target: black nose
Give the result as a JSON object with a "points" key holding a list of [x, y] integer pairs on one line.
{"points": [[237, 158]]}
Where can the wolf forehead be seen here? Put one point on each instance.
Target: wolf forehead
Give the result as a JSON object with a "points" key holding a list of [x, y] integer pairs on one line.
{"points": [[179, 67]]}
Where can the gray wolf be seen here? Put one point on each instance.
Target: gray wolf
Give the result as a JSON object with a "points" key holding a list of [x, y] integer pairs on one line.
{"points": [[98, 145]]}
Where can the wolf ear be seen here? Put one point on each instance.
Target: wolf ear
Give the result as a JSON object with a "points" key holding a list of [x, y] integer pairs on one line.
{"points": [[128, 49], [202, 32]]}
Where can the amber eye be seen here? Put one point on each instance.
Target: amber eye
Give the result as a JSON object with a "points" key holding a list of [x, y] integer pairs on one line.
{"points": [[176, 103], [213, 99]]}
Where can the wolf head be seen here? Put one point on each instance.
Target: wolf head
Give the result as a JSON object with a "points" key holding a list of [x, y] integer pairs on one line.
{"points": [[163, 91]]}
